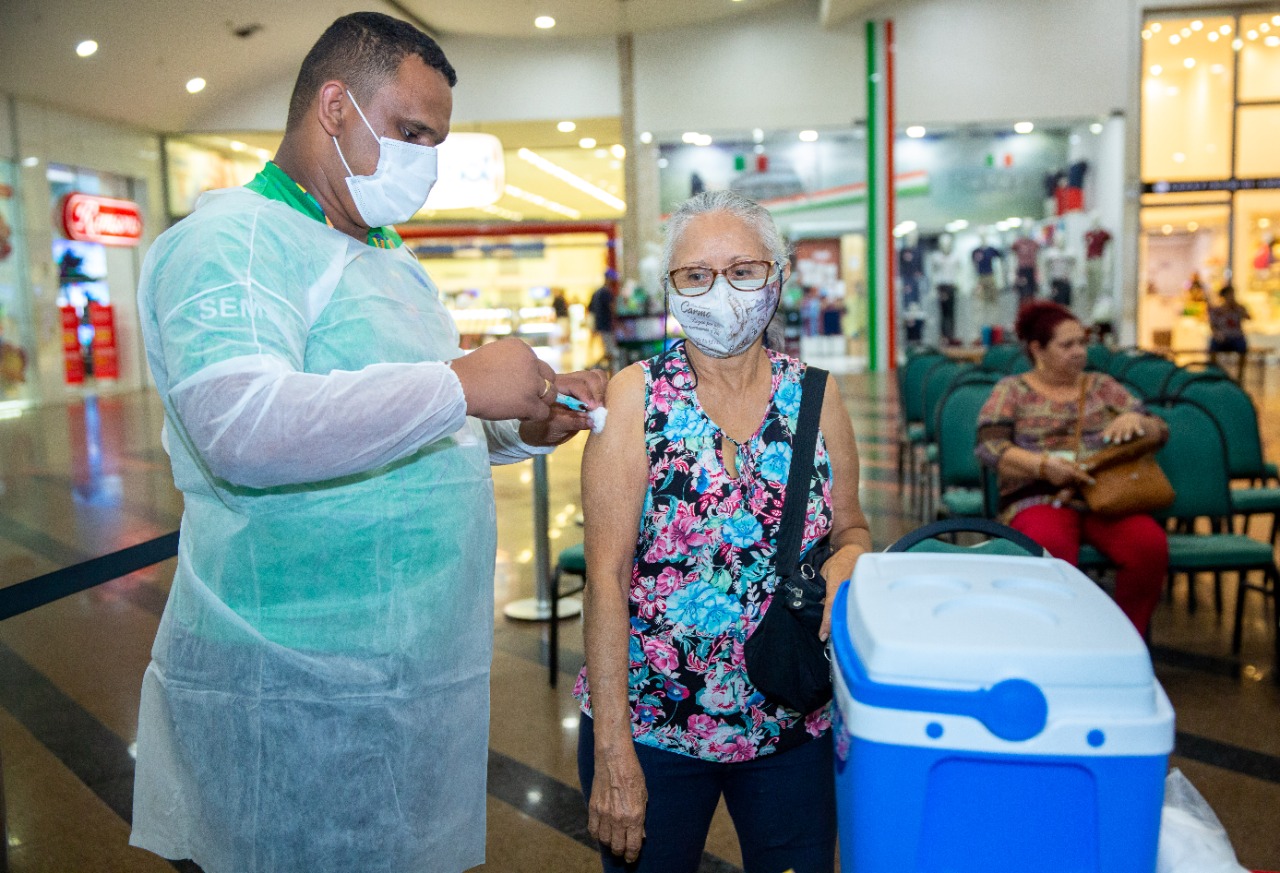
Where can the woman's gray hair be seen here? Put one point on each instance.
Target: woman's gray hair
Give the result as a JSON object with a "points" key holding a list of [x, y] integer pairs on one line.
{"points": [[750, 213]]}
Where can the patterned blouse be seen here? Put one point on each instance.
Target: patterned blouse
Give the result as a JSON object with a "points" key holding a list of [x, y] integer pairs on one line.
{"points": [[1018, 415], [703, 574]]}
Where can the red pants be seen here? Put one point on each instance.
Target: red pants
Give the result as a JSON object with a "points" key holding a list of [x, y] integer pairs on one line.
{"points": [[1136, 544]]}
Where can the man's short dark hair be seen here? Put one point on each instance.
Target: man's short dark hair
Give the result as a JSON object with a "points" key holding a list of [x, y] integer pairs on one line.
{"points": [[364, 50]]}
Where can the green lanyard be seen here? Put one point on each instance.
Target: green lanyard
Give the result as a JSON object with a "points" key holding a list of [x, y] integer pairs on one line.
{"points": [[275, 183]]}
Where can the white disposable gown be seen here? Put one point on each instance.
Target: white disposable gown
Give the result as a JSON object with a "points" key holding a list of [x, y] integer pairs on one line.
{"points": [[317, 698]]}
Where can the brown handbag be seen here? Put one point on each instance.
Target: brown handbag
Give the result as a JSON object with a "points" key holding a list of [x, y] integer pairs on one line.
{"points": [[1126, 477]]}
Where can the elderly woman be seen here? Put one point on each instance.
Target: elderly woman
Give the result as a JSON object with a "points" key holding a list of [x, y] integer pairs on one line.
{"points": [[682, 497], [1027, 433]]}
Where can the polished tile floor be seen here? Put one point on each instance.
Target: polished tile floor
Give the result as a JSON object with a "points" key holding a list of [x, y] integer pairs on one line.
{"points": [[89, 478]]}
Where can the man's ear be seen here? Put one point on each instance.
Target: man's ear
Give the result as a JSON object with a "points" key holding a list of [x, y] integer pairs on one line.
{"points": [[331, 106]]}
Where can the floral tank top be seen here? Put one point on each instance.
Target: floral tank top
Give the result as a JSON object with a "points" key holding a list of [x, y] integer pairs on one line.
{"points": [[703, 575]]}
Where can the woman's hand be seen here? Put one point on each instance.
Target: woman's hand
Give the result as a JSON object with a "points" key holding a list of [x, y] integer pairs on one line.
{"points": [[838, 568], [1124, 428], [1063, 473], [615, 815]]}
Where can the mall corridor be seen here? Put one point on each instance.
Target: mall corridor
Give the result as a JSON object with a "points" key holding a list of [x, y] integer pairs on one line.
{"points": [[91, 478]]}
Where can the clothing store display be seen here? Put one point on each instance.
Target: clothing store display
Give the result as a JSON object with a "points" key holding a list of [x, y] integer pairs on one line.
{"points": [[1095, 242], [984, 259]]}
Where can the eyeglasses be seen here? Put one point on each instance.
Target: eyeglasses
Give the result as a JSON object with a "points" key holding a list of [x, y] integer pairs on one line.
{"points": [[741, 275]]}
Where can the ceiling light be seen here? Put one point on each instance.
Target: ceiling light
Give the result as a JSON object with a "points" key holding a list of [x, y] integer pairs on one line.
{"points": [[1179, 157], [1253, 34], [1095, 128], [1155, 27], [1275, 19], [757, 135], [237, 146], [571, 179], [1174, 39], [196, 85], [1197, 24], [808, 136], [704, 139], [1272, 41], [646, 137], [1156, 69], [601, 153], [587, 143], [86, 48], [31, 161], [264, 154], [544, 22], [662, 163], [915, 131], [1213, 36], [689, 136], [958, 224], [539, 200], [1024, 127], [615, 164], [1264, 223], [1225, 30], [1167, 229], [1217, 69], [905, 228], [1189, 63], [758, 148], [566, 127], [1237, 44], [618, 150], [1264, 27], [1186, 32], [1146, 34], [1192, 226], [1013, 222]]}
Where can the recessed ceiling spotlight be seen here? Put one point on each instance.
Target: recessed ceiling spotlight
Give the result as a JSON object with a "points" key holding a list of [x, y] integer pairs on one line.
{"points": [[757, 134], [646, 137], [86, 48], [587, 143], [1189, 63], [618, 150], [544, 22], [915, 131], [1197, 24], [1095, 128], [1225, 30], [1024, 127], [566, 127], [601, 153], [808, 135], [196, 85]]}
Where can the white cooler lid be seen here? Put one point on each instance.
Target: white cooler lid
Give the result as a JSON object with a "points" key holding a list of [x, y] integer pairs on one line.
{"points": [[942, 619]]}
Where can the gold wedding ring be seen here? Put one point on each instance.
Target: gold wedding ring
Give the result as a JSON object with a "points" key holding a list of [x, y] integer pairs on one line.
{"points": [[546, 387]]}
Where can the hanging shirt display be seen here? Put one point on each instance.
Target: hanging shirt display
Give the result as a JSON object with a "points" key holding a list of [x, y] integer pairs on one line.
{"points": [[318, 692], [984, 259], [1095, 242]]}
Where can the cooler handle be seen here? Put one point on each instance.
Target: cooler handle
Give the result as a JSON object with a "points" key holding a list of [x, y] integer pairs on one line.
{"points": [[1012, 709]]}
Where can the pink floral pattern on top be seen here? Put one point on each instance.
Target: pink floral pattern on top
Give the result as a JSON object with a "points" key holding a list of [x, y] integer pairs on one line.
{"points": [[703, 574]]}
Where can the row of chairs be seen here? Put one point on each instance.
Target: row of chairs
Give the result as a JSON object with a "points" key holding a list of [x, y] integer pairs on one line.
{"points": [[1202, 406]]}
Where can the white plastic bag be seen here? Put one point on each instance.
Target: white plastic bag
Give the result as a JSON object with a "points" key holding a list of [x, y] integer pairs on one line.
{"points": [[1192, 840]]}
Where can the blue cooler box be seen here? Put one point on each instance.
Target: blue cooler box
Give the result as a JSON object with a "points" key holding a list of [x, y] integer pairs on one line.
{"points": [[993, 715]]}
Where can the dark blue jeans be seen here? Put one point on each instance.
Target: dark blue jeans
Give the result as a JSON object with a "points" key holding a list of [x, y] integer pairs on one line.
{"points": [[783, 807]]}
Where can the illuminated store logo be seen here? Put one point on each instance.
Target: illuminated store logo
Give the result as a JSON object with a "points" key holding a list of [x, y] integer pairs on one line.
{"points": [[472, 172], [101, 220]]}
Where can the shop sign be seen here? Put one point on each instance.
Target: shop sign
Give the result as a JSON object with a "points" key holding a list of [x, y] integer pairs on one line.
{"points": [[1198, 187], [106, 364], [101, 220], [72, 355], [471, 171]]}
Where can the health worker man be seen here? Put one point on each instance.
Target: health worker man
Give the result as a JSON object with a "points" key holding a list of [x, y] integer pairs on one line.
{"points": [[318, 696]]}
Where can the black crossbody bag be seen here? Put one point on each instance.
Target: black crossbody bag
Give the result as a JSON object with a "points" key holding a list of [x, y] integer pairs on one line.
{"points": [[785, 659]]}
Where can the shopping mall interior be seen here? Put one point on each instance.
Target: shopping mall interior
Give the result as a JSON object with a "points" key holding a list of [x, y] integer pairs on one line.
{"points": [[931, 165]]}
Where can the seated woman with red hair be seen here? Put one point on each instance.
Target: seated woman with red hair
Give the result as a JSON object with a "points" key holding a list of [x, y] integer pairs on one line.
{"points": [[1027, 433]]}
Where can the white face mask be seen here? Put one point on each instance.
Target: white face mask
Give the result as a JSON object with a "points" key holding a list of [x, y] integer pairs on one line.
{"points": [[399, 186], [725, 321]]}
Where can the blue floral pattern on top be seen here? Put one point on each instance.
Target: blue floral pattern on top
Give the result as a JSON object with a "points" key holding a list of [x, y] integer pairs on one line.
{"points": [[703, 575]]}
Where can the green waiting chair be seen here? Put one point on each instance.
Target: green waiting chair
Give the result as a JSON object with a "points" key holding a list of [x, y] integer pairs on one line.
{"points": [[959, 473], [1195, 461]]}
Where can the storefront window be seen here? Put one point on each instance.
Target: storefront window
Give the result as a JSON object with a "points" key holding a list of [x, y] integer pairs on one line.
{"points": [[1260, 57], [1211, 169], [15, 324], [1187, 95]]}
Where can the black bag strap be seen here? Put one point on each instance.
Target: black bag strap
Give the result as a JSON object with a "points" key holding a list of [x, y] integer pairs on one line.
{"points": [[799, 478]]}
